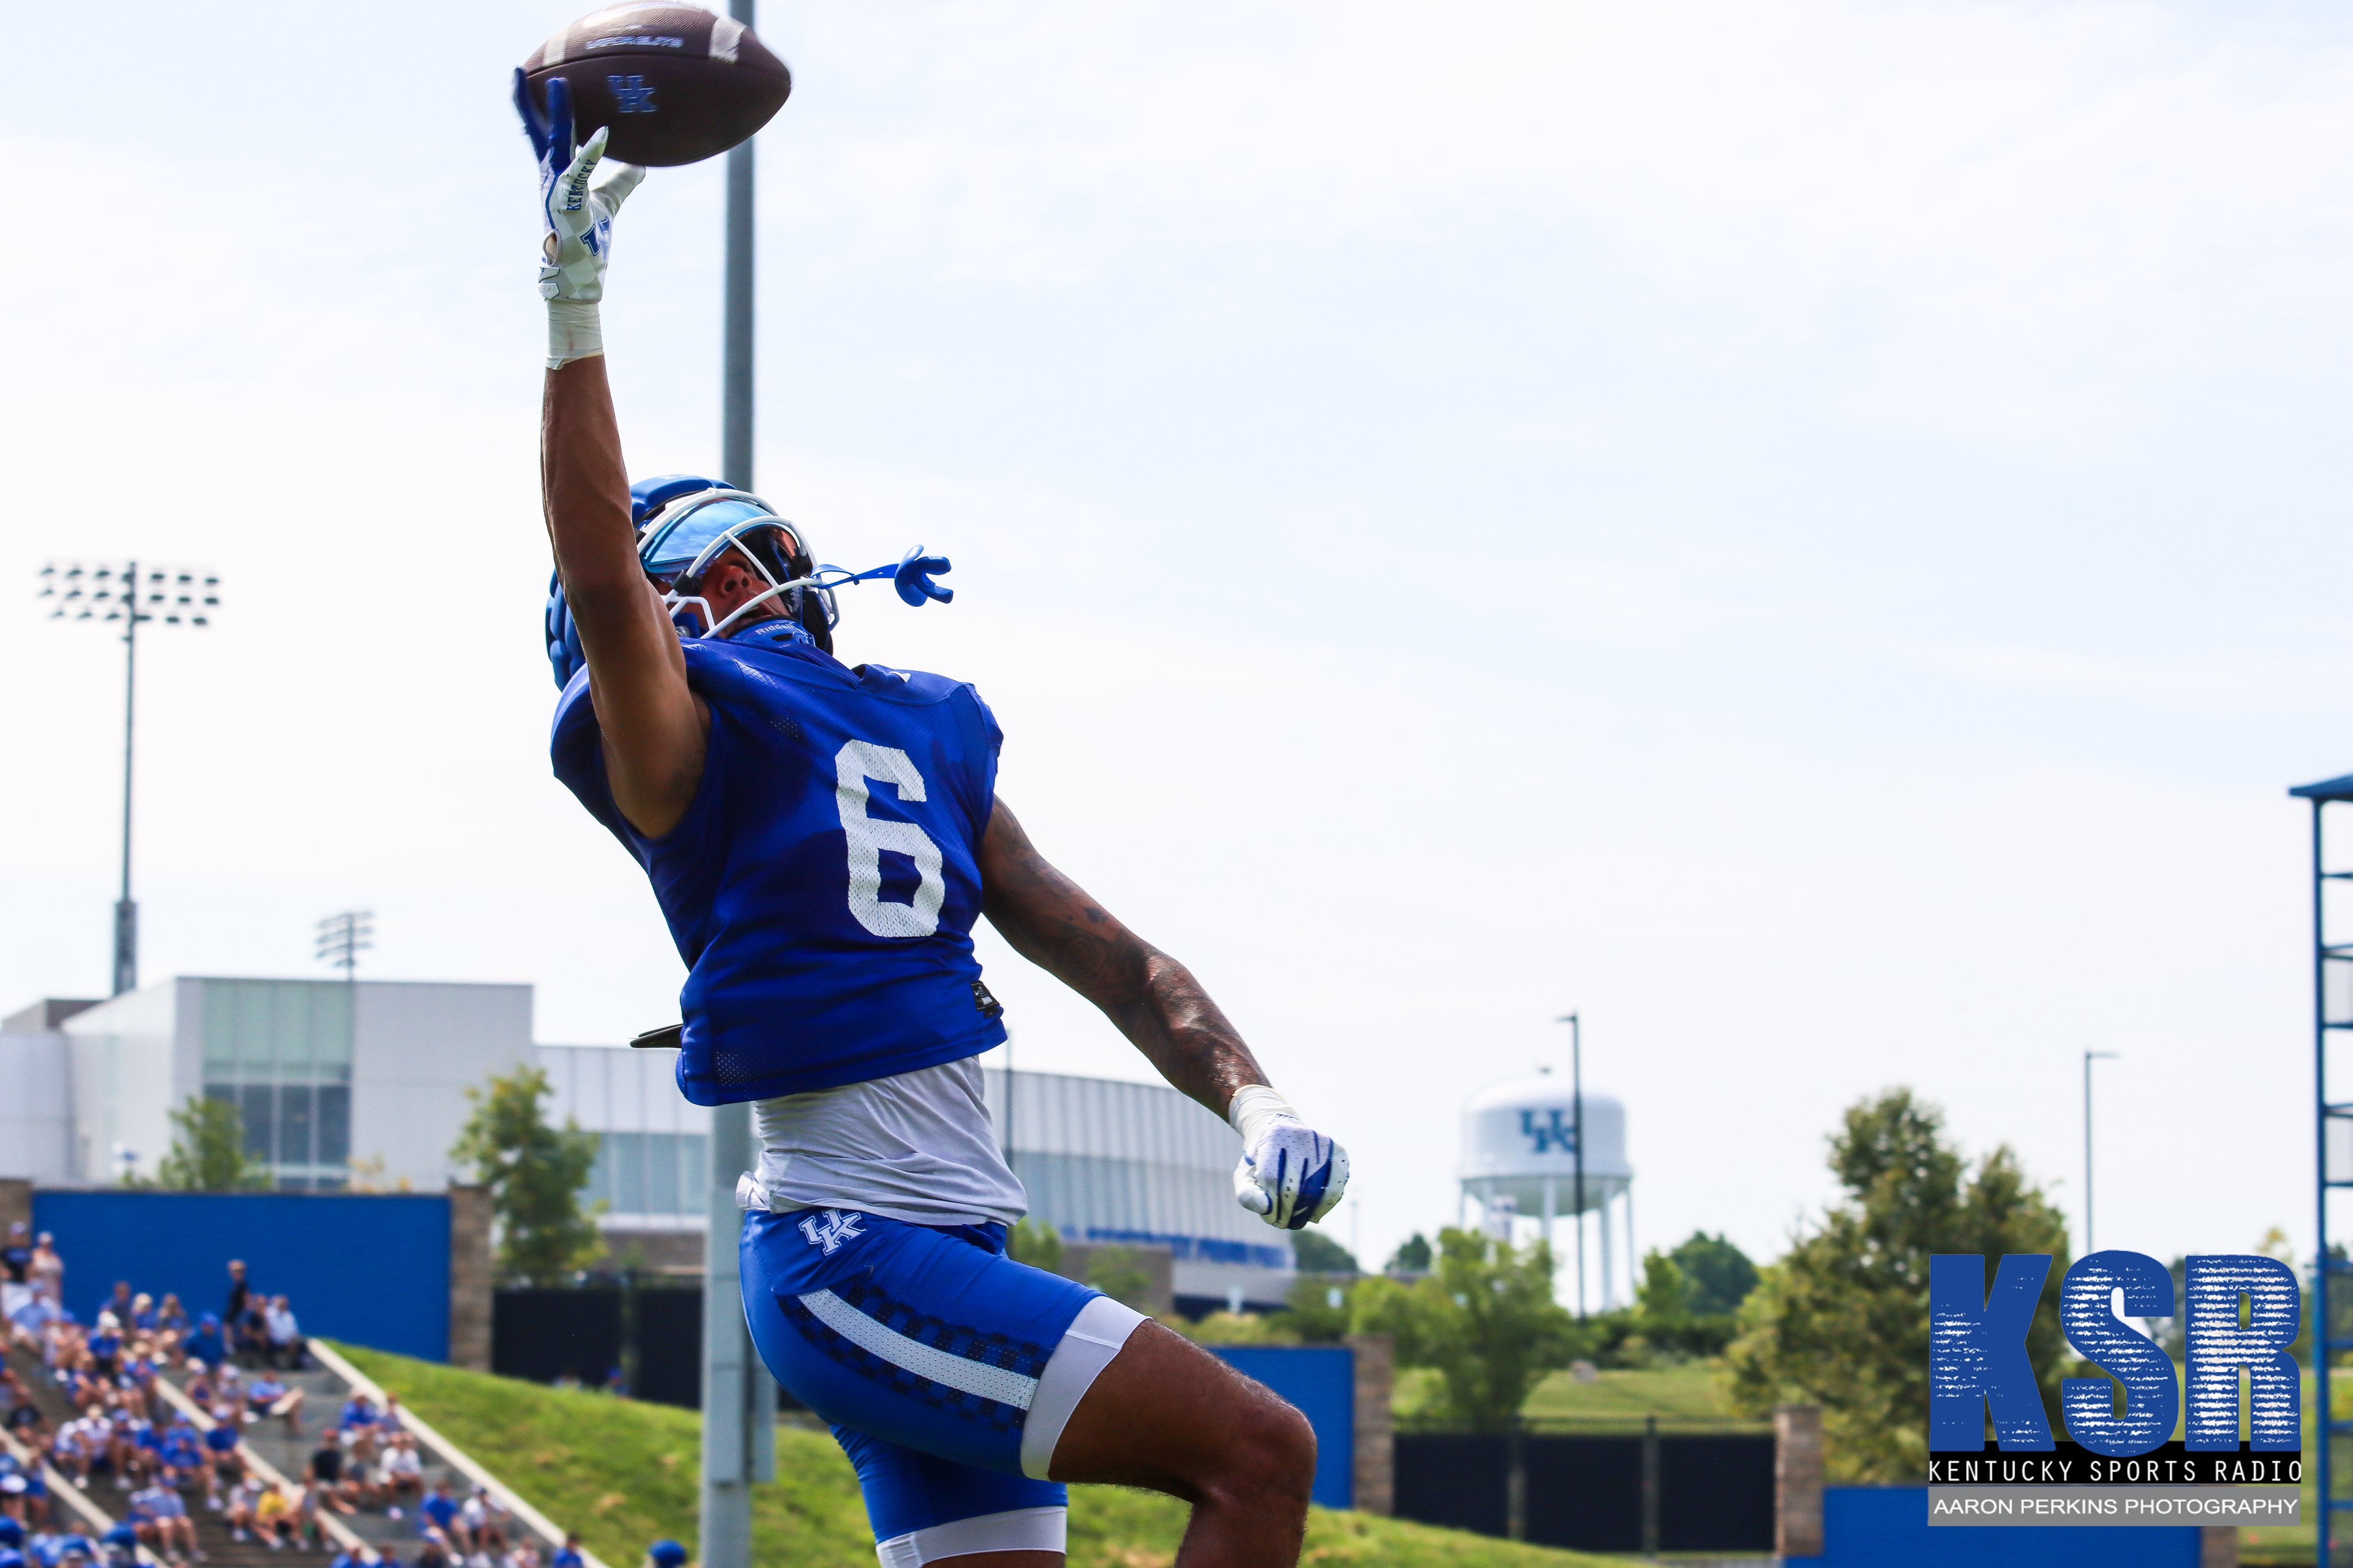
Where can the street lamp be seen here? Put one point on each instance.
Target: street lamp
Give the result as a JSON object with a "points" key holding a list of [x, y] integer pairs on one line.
{"points": [[2089, 1057], [343, 937], [1577, 1130], [126, 592]]}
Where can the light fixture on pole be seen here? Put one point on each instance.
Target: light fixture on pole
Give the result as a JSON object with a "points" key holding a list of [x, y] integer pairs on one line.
{"points": [[2089, 1057], [343, 937], [127, 593], [1576, 1133]]}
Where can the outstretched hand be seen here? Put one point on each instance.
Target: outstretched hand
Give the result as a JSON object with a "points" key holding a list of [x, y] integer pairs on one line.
{"points": [[576, 202]]}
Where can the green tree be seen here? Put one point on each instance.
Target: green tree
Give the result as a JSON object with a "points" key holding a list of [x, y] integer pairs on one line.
{"points": [[535, 1172], [1720, 1273], [1038, 1246], [1412, 1256], [1119, 1273], [1318, 1252], [1843, 1321], [1321, 1311], [1485, 1318], [207, 1152]]}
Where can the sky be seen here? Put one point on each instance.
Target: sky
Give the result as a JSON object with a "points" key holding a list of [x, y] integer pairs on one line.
{"points": [[1811, 535]]}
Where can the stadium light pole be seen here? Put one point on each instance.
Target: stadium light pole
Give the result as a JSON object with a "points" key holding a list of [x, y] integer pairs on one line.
{"points": [[1576, 1132], [343, 937], [2089, 1057], [122, 591], [739, 1403]]}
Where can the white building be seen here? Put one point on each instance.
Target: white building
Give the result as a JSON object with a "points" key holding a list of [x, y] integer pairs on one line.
{"points": [[343, 1084], [338, 1083]]}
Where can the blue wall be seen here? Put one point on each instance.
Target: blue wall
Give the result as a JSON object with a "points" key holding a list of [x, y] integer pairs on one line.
{"points": [[372, 1270], [1319, 1381], [1887, 1527]]}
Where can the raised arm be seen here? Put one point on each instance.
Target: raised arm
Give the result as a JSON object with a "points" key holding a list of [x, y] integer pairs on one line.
{"points": [[653, 727], [1289, 1174]]}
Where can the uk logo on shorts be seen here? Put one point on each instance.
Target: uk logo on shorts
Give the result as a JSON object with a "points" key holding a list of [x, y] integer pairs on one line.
{"points": [[830, 1229]]}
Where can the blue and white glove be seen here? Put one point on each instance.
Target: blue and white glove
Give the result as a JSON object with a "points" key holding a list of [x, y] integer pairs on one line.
{"points": [[1290, 1175], [577, 204]]}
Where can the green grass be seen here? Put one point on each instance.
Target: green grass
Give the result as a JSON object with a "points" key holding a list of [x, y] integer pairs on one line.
{"points": [[623, 1475], [1683, 1398]]}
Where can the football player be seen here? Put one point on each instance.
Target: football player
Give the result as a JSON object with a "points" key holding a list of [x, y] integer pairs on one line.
{"points": [[820, 838]]}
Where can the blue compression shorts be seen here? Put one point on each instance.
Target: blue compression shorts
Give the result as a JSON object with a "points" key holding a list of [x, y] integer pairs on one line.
{"points": [[946, 1369]]}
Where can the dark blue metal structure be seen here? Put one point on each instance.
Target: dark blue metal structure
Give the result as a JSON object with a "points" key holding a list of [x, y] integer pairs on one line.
{"points": [[2332, 1014]]}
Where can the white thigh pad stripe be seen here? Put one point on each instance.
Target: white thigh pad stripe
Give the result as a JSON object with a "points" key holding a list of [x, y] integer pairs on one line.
{"points": [[945, 1367], [1021, 1529]]}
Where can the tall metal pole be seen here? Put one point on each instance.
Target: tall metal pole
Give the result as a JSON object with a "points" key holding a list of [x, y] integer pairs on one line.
{"points": [[2088, 1057], [1577, 1131], [736, 354], [2323, 1388], [739, 1407], [1577, 1123], [126, 913]]}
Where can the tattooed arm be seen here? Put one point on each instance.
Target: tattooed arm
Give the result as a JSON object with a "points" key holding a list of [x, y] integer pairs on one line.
{"points": [[1152, 999]]}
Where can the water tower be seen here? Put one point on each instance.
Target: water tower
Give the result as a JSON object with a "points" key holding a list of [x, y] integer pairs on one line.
{"points": [[1519, 1157]]}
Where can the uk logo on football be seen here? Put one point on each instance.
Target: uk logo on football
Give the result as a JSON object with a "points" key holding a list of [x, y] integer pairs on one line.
{"points": [[630, 94]]}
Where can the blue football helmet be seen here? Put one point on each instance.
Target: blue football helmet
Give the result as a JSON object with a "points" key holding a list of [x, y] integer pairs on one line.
{"points": [[685, 521]]}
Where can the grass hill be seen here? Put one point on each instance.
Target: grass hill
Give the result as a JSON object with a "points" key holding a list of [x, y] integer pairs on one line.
{"points": [[622, 1473]]}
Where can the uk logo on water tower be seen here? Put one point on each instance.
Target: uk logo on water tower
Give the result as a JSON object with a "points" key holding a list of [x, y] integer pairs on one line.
{"points": [[1554, 1131]]}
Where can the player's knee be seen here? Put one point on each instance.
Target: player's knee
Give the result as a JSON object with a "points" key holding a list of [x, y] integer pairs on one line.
{"points": [[1272, 1459]]}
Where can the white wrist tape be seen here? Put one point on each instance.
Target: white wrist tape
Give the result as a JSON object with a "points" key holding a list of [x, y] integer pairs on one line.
{"points": [[573, 333], [1253, 1107]]}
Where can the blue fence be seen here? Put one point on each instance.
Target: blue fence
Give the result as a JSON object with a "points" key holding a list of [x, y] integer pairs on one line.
{"points": [[1887, 1527], [374, 1271], [1319, 1381]]}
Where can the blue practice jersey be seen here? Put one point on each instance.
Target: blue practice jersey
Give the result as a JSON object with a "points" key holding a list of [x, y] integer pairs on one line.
{"points": [[822, 886]]}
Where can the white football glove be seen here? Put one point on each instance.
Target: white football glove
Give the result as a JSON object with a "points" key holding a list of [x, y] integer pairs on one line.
{"points": [[579, 203], [1290, 1175]]}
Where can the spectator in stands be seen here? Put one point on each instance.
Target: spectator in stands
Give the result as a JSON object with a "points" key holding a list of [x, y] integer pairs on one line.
{"points": [[285, 1347], [569, 1554], [122, 1547], [105, 1343], [482, 1527], [16, 1270], [238, 1292], [359, 1410], [435, 1552], [162, 1520], [206, 1346], [47, 1270], [119, 1304], [524, 1555], [403, 1472], [223, 1462], [275, 1519], [172, 1318], [265, 1395], [182, 1452], [242, 1513], [666, 1554], [325, 1471], [437, 1514]]}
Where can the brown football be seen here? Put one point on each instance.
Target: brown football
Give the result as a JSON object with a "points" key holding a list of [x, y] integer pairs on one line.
{"points": [[673, 84]]}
